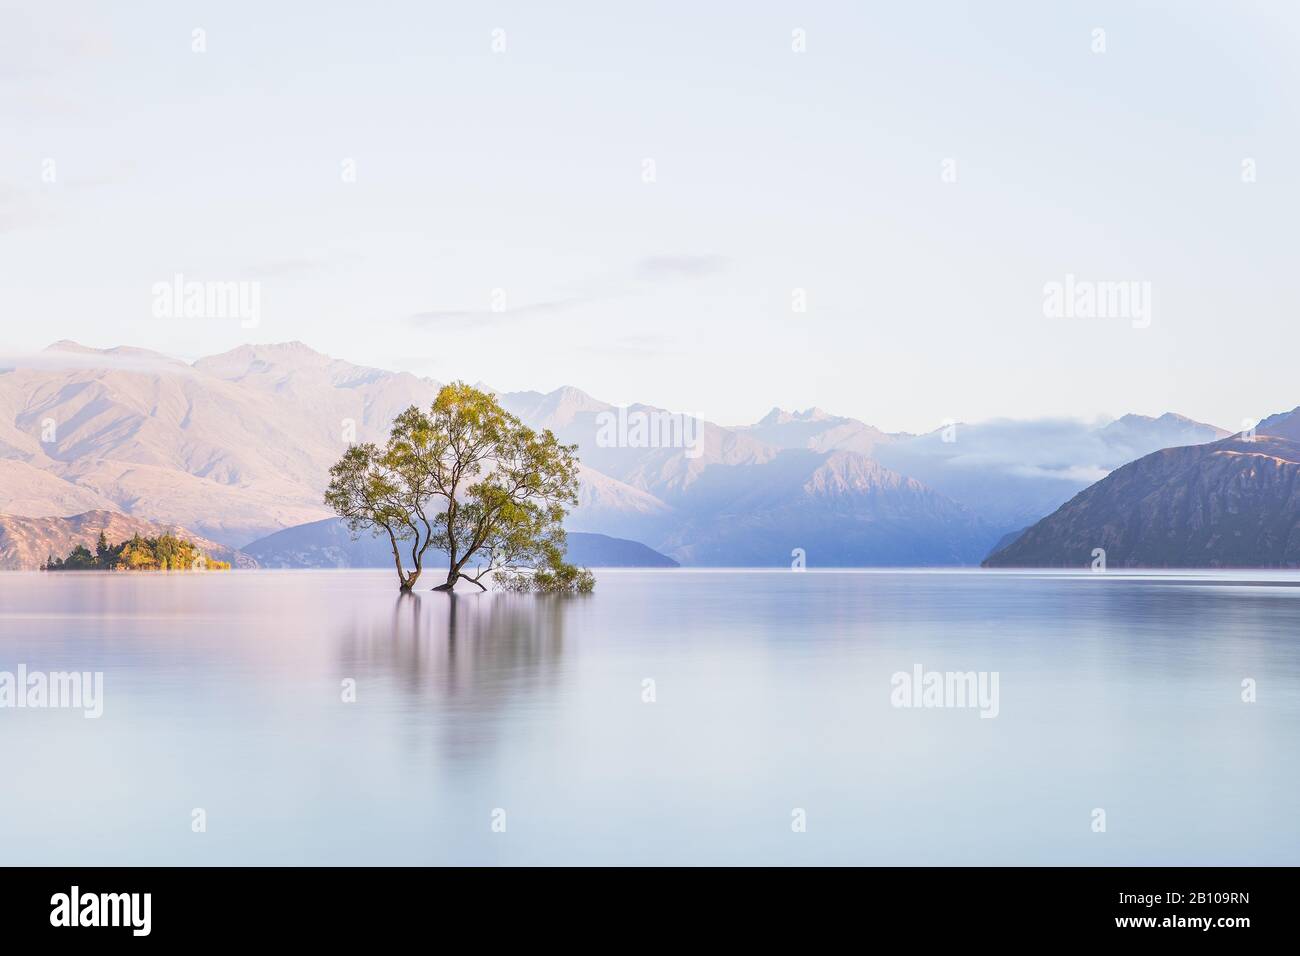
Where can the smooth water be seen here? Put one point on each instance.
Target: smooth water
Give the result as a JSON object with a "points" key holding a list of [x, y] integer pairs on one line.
{"points": [[771, 705]]}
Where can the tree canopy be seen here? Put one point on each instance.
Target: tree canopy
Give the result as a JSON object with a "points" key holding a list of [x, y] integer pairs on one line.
{"points": [[472, 482]]}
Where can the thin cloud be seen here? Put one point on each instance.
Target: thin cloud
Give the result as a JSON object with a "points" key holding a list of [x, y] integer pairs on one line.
{"points": [[71, 356], [289, 268], [497, 317], [666, 268], [640, 346], [655, 269]]}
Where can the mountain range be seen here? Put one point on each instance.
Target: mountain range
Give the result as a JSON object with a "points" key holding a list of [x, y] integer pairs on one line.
{"points": [[238, 446], [1232, 503], [328, 544]]}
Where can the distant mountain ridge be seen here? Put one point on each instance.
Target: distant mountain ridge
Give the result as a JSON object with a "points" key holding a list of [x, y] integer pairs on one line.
{"points": [[840, 509], [329, 544], [1013, 473], [816, 430], [1232, 503], [1282, 425], [238, 446], [233, 446]]}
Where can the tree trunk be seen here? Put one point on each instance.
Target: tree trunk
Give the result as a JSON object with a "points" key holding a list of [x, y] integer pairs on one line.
{"points": [[452, 577], [403, 582]]}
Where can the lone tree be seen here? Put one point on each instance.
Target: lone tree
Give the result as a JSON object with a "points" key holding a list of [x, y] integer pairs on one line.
{"points": [[471, 481]]}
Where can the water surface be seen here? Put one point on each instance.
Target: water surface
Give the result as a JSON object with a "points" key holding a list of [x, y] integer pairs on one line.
{"points": [[224, 692]]}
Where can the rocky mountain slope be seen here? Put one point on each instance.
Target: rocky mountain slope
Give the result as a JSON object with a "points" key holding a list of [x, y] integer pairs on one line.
{"points": [[1230, 503], [234, 446]]}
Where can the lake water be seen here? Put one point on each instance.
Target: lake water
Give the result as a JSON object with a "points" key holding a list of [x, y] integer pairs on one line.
{"points": [[771, 709]]}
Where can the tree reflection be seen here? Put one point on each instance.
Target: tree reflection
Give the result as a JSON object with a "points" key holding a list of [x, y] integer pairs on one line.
{"points": [[462, 665]]}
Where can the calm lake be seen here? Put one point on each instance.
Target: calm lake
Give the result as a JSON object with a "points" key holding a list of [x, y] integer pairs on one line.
{"points": [[672, 717]]}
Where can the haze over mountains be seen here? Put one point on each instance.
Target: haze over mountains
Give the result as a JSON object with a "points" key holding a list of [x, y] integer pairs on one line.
{"points": [[238, 446], [1014, 472], [1232, 503]]}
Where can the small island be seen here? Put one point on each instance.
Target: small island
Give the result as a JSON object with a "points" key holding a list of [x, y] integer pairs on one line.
{"points": [[163, 553]]}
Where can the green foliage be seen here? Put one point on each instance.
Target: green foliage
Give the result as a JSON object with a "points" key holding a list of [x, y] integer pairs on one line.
{"points": [[78, 559], [466, 478], [389, 489], [104, 556], [562, 578], [163, 553]]}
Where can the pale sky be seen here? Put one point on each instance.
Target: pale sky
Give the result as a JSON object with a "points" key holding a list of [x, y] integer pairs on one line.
{"points": [[522, 170]]}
